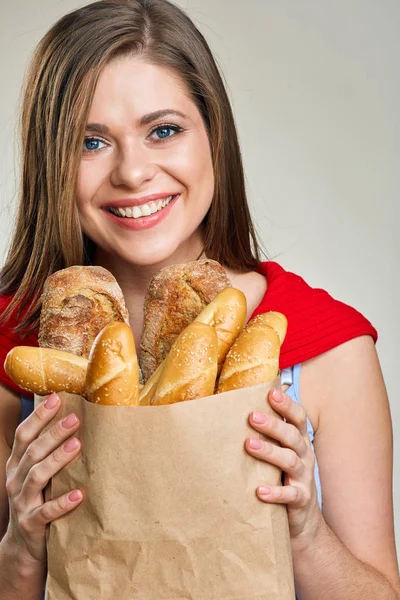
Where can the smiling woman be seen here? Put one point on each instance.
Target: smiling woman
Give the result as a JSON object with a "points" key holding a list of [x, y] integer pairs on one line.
{"points": [[151, 172], [139, 74], [131, 161]]}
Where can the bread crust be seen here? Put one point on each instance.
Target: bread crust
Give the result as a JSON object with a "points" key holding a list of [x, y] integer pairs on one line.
{"points": [[77, 303], [254, 356], [175, 297], [112, 373], [190, 369], [43, 370]]}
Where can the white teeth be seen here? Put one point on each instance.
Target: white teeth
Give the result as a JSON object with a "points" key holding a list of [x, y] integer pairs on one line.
{"points": [[146, 210], [141, 211]]}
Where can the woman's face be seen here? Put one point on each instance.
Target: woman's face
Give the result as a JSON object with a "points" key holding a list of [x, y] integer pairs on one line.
{"points": [[146, 178]]}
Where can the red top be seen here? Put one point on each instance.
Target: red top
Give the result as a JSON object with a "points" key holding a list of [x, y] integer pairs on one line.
{"points": [[316, 322]]}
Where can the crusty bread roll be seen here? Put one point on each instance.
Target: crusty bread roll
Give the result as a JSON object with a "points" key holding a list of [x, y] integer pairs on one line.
{"points": [[254, 356], [44, 370], [77, 303], [227, 314], [112, 373], [175, 297], [190, 369]]}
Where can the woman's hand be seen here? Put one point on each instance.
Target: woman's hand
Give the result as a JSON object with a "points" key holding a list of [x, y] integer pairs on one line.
{"points": [[296, 459], [33, 461]]}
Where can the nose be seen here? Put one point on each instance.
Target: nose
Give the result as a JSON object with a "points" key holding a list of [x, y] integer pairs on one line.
{"points": [[133, 167]]}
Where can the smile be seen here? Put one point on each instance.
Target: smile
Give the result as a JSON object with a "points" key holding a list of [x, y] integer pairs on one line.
{"points": [[144, 210]]}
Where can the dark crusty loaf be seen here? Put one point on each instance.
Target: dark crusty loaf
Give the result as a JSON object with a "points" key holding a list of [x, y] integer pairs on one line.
{"points": [[77, 303], [175, 297]]}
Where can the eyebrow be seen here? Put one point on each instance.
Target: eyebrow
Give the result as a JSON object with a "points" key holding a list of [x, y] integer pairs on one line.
{"points": [[145, 120]]}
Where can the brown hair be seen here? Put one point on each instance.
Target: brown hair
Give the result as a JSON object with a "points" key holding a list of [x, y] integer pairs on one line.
{"points": [[59, 88]]}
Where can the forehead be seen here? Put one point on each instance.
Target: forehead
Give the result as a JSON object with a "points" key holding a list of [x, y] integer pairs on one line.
{"points": [[130, 83]]}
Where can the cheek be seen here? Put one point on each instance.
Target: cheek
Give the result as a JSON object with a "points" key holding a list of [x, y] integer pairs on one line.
{"points": [[193, 164], [82, 187], [88, 182]]}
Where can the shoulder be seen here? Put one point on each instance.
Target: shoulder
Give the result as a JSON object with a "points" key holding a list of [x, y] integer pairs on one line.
{"points": [[252, 284], [317, 322]]}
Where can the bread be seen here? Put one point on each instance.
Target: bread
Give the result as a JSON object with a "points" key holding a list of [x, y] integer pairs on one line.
{"points": [[190, 369], [148, 390], [112, 373], [175, 297], [77, 303], [43, 370], [254, 356], [227, 314]]}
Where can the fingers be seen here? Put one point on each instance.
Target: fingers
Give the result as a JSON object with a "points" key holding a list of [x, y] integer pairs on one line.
{"points": [[40, 473], [31, 428], [284, 458], [287, 434], [294, 455], [47, 512], [40, 448], [288, 494], [291, 411]]}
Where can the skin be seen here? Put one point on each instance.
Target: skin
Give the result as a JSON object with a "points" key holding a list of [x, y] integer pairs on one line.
{"points": [[354, 533]]}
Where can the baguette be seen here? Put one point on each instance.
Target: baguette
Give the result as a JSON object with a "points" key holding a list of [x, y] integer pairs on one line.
{"points": [[44, 370], [227, 314], [254, 356], [112, 373], [190, 369]]}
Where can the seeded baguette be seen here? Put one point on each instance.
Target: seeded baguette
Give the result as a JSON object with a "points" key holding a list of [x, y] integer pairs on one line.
{"points": [[254, 356], [227, 314], [112, 373], [190, 369], [43, 370]]}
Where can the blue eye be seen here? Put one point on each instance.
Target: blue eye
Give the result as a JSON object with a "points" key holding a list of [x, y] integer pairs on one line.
{"points": [[163, 132], [91, 144]]}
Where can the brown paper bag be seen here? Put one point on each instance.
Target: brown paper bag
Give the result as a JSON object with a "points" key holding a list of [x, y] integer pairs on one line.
{"points": [[170, 510]]}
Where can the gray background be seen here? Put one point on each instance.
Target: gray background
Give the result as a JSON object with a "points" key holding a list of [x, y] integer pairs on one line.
{"points": [[315, 87]]}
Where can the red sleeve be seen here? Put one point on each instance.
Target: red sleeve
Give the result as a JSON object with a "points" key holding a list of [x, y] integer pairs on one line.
{"points": [[8, 340], [316, 321]]}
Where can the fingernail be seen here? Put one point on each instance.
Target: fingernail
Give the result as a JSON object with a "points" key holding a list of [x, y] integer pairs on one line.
{"points": [[71, 445], [277, 396], [258, 417], [255, 444], [264, 490], [69, 421], [52, 401], [75, 496]]}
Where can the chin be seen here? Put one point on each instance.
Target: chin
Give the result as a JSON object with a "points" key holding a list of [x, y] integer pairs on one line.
{"points": [[151, 256]]}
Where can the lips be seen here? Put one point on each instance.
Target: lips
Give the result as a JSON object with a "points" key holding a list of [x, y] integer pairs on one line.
{"points": [[143, 210], [143, 218]]}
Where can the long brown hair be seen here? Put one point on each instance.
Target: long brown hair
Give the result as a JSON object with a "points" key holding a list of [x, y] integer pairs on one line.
{"points": [[58, 93]]}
